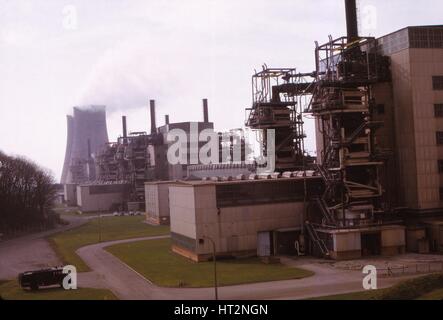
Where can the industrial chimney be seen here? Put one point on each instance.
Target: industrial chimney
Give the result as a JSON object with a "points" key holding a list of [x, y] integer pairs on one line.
{"points": [[125, 132], [89, 149], [153, 124], [205, 111], [351, 20]]}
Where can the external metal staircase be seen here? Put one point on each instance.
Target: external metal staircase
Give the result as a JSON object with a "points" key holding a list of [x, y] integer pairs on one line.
{"points": [[316, 239], [329, 216]]}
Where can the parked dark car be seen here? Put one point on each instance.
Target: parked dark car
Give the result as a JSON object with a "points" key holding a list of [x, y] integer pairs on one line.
{"points": [[41, 278]]}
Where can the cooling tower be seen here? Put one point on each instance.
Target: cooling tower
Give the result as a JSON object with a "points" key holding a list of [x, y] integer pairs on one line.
{"points": [[86, 130]]}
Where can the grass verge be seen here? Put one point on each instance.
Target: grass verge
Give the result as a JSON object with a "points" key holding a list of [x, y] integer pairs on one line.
{"points": [[363, 295], [154, 260], [107, 228], [428, 287], [414, 288], [11, 290], [434, 295]]}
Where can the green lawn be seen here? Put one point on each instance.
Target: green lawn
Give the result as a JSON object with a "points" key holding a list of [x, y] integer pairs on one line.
{"points": [[12, 291], [112, 228], [428, 287], [154, 260], [434, 295]]}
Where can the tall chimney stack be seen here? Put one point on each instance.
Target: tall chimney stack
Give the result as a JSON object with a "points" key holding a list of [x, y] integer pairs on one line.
{"points": [[351, 20], [125, 132], [166, 119], [205, 111], [89, 149], [153, 124]]}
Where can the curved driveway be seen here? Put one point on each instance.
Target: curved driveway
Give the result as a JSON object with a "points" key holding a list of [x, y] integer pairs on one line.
{"points": [[126, 283], [33, 252]]}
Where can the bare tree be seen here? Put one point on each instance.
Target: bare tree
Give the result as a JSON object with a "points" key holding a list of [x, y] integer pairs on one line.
{"points": [[26, 193]]}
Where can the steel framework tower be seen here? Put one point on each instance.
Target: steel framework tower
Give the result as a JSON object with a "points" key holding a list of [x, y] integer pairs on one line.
{"points": [[276, 106], [340, 98], [342, 104]]}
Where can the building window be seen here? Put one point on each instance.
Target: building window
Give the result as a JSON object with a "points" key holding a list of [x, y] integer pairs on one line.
{"points": [[438, 109], [440, 166], [380, 109], [439, 138], [437, 82]]}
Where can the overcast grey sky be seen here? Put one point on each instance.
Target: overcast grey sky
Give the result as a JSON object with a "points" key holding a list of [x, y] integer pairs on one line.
{"points": [[56, 54]]}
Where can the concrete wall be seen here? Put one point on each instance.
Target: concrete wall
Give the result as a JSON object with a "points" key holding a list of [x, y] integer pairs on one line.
{"points": [[237, 227], [435, 232], [404, 129], [347, 245], [426, 63], [416, 126], [182, 210], [413, 238], [100, 202], [393, 241], [385, 139], [194, 214], [70, 194], [157, 203]]}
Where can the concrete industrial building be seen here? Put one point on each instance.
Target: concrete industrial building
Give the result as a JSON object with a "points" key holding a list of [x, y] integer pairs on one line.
{"points": [[233, 213], [375, 188], [377, 105], [157, 202], [179, 171], [257, 217], [102, 197], [413, 107], [139, 157]]}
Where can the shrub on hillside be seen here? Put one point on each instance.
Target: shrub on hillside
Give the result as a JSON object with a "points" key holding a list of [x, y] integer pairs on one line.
{"points": [[414, 288]]}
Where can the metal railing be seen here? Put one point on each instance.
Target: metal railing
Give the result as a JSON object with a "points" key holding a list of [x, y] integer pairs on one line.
{"points": [[411, 269]]}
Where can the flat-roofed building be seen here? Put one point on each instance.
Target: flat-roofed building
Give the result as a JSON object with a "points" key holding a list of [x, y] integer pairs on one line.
{"points": [[102, 197], [157, 202], [412, 109], [234, 213]]}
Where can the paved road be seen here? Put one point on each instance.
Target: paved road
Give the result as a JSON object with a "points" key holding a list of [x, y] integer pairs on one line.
{"points": [[112, 273], [31, 252]]}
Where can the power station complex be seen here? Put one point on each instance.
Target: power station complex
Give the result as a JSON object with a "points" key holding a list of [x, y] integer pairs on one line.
{"points": [[375, 187]]}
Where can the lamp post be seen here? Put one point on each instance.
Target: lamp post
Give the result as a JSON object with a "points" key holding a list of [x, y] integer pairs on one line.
{"points": [[202, 241], [100, 228]]}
